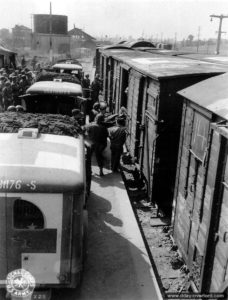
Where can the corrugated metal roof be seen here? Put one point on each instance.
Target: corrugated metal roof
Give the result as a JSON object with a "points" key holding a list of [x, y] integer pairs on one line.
{"points": [[55, 88], [158, 66], [53, 162], [5, 50], [211, 94]]}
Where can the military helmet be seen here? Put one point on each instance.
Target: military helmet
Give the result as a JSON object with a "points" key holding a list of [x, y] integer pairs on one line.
{"points": [[11, 108], [103, 105], [20, 108]]}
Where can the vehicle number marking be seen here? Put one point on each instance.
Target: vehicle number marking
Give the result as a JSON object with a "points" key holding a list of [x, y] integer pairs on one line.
{"points": [[10, 184]]}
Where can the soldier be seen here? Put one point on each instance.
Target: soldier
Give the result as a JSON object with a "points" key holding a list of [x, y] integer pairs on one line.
{"points": [[20, 108], [23, 84], [94, 112], [2, 85], [30, 78], [11, 108], [86, 82], [23, 62], [33, 63], [7, 97], [95, 87], [117, 135], [78, 116], [15, 90], [97, 138]]}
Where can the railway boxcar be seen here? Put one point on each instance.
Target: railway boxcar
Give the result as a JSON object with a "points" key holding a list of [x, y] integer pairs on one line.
{"points": [[200, 213], [151, 82]]}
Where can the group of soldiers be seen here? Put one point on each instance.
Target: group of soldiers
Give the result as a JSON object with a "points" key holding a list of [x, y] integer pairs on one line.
{"points": [[13, 84]]}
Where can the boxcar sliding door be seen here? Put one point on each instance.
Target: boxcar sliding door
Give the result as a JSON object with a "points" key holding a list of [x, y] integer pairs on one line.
{"points": [[191, 188], [149, 150], [134, 104]]}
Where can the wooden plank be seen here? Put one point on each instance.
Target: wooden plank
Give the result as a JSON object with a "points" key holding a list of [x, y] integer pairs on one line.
{"points": [[217, 275], [203, 228], [201, 239], [224, 212], [221, 252], [206, 217], [225, 197]]}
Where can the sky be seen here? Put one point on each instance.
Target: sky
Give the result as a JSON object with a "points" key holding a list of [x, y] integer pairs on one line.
{"points": [[158, 19]]}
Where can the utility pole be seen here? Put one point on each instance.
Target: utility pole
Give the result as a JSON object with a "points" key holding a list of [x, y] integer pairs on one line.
{"points": [[221, 17], [50, 31], [198, 39], [175, 41]]}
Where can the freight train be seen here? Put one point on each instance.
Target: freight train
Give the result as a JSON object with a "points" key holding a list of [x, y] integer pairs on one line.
{"points": [[177, 136]]}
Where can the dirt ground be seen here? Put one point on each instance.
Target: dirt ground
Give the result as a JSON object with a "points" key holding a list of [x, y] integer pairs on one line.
{"points": [[171, 272], [170, 267]]}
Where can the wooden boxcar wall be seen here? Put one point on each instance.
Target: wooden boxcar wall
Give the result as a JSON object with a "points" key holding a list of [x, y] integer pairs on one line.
{"points": [[215, 273], [110, 84], [200, 201], [105, 76], [97, 61]]}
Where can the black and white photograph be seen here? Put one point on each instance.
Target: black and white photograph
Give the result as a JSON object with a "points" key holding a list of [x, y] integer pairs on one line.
{"points": [[113, 149]]}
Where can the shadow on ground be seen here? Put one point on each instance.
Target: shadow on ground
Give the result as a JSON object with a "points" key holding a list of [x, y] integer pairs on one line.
{"points": [[109, 272]]}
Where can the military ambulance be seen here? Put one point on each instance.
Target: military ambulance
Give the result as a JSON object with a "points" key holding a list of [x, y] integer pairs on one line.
{"points": [[42, 206]]}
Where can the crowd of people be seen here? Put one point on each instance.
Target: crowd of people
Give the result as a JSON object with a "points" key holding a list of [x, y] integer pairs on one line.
{"points": [[13, 84]]}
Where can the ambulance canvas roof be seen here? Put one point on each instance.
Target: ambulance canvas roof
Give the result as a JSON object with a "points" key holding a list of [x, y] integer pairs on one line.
{"points": [[53, 162], [55, 88], [67, 66]]}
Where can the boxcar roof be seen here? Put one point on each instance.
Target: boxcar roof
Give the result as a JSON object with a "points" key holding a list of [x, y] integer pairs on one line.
{"points": [[53, 163], [161, 67], [55, 88], [207, 57], [211, 94]]}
